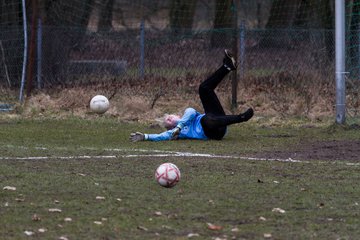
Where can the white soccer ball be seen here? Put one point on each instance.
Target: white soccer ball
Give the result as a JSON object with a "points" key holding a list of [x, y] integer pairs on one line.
{"points": [[167, 175], [99, 104]]}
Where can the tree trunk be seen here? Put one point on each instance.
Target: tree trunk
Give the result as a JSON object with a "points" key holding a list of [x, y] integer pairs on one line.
{"points": [[63, 32], [283, 13], [223, 24], [105, 23], [181, 16], [283, 16]]}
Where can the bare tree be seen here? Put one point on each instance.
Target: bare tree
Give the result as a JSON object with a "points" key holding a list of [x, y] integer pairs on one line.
{"points": [[283, 13], [182, 15], [302, 14], [223, 23], [105, 22], [63, 31]]}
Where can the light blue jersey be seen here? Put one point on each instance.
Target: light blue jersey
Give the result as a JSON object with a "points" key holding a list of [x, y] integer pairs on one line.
{"points": [[190, 125]]}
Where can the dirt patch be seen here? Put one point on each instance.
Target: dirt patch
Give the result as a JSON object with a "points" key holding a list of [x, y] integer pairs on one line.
{"points": [[326, 150]]}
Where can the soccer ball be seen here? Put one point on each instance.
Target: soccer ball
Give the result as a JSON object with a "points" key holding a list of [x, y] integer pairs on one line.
{"points": [[99, 104], [167, 175]]}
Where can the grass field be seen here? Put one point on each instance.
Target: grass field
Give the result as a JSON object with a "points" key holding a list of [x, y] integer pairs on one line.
{"points": [[83, 179]]}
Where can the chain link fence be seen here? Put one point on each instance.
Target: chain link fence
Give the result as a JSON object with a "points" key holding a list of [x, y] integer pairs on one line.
{"points": [[280, 65], [274, 61], [119, 54], [10, 67]]}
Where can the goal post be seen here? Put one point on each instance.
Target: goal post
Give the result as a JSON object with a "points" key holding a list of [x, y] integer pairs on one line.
{"points": [[340, 60]]}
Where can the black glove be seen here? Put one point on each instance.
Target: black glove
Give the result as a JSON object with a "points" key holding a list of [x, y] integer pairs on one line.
{"points": [[175, 133], [137, 136]]}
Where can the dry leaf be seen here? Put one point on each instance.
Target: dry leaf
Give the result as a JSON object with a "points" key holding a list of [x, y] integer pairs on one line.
{"points": [[55, 210], [42, 230], [119, 199], [63, 238], [68, 219], [9, 188], [166, 227], [100, 198], [267, 235], [142, 228], [35, 217], [158, 213], [81, 174], [214, 227], [29, 233], [97, 222], [190, 235], [279, 210], [262, 218]]}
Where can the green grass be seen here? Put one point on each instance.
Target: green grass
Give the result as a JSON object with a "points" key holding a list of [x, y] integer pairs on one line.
{"points": [[320, 198]]}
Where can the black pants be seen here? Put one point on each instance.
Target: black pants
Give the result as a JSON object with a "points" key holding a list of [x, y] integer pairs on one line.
{"points": [[215, 120]]}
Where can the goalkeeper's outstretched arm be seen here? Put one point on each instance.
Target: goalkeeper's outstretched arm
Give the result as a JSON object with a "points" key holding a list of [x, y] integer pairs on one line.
{"points": [[164, 136]]}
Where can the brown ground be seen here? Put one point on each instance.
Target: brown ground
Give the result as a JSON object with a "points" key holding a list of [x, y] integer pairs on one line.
{"points": [[327, 150]]}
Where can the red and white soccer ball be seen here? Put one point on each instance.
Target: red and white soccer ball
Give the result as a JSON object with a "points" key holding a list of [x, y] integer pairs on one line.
{"points": [[167, 175]]}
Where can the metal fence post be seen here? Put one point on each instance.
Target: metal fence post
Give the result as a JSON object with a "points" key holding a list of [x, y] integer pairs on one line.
{"points": [[21, 95], [242, 49], [340, 60], [358, 50], [235, 52], [39, 54], [142, 49]]}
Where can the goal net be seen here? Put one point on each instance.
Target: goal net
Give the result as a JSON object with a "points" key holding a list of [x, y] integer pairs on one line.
{"points": [[11, 43], [281, 46]]}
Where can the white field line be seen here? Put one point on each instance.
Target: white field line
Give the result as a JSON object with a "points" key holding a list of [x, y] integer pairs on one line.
{"points": [[147, 155], [59, 157], [189, 154], [158, 154], [212, 156]]}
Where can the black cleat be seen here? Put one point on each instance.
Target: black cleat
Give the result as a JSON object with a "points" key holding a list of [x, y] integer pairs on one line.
{"points": [[229, 61], [247, 115]]}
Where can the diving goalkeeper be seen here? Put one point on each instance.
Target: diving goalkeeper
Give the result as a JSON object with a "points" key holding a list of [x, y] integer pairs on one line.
{"points": [[195, 125]]}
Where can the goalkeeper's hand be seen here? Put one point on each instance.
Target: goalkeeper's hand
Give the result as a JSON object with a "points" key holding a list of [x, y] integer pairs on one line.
{"points": [[137, 136], [175, 133]]}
